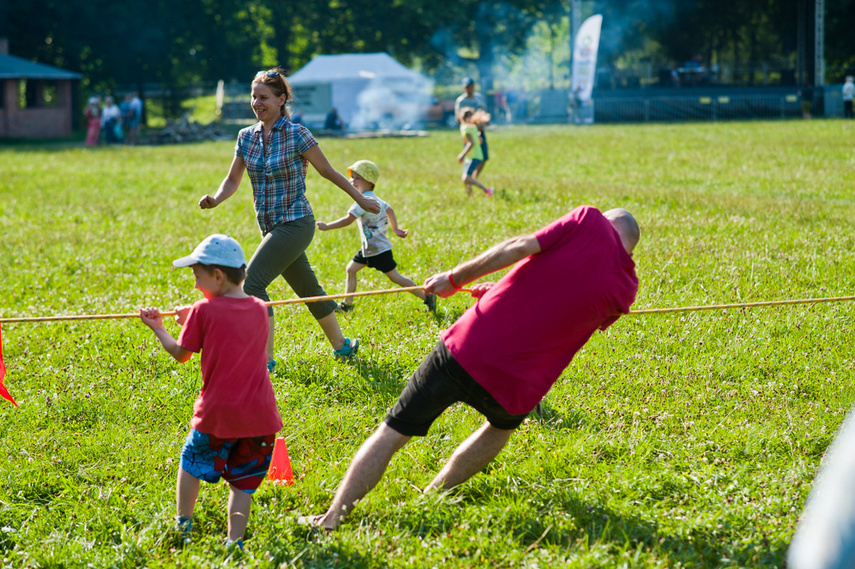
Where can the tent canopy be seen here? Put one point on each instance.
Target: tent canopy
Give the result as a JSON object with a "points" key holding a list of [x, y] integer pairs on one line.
{"points": [[365, 88]]}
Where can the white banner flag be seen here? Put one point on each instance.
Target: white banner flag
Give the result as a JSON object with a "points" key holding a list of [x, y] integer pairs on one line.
{"points": [[585, 57]]}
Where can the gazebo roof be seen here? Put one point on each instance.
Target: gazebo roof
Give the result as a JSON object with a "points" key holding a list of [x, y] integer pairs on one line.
{"points": [[12, 67]]}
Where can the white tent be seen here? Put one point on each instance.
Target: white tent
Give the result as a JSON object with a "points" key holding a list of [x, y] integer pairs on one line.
{"points": [[367, 89]]}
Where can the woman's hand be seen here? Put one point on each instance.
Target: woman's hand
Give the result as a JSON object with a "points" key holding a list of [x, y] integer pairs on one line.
{"points": [[369, 204], [208, 202]]}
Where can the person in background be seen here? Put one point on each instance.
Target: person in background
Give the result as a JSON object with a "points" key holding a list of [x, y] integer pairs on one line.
{"points": [[111, 121], [475, 101], [127, 116], [135, 119], [276, 153], [333, 121], [472, 154], [93, 121], [848, 93]]}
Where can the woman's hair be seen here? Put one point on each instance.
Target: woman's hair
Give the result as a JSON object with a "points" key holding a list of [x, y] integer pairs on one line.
{"points": [[275, 79]]}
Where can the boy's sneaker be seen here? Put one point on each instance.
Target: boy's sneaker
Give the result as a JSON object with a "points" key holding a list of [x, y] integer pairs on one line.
{"points": [[344, 307], [183, 527], [430, 302], [489, 192], [271, 365], [348, 349]]}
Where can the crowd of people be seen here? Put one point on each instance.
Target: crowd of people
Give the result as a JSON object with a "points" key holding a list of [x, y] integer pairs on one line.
{"points": [[111, 123]]}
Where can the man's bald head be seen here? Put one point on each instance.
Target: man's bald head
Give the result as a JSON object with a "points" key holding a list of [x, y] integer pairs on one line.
{"points": [[626, 227]]}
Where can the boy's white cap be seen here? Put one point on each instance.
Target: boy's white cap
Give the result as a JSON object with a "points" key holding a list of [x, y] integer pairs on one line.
{"points": [[217, 249]]}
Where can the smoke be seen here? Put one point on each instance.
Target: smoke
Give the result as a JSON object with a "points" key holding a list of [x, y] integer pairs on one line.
{"points": [[393, 103], [542, 60]]}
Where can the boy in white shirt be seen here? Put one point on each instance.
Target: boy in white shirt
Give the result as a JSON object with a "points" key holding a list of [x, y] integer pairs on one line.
{"points": [[376, 251]]}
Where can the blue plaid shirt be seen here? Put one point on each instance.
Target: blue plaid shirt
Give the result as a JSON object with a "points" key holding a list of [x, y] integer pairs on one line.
{"points": [[278, 173]]}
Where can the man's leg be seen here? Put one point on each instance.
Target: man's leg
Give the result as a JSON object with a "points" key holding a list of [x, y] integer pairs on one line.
{"points": [[471, 456], [364, 472]]}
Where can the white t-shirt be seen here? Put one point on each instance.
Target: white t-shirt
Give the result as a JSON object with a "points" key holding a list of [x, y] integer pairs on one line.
{"points": [[476, 101], [372, 227]]}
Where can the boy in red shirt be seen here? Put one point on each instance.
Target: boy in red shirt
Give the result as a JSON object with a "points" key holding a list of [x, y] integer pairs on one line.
{"points": [[235, 419]]}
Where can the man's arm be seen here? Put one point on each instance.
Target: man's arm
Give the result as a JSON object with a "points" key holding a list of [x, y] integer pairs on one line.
{"points": [[493, 259]]}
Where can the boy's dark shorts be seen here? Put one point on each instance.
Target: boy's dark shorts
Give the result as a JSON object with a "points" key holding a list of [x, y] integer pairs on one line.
{"points": [[383, 262], [484, 149], [439, 382], [470, 166], [243, 462]]}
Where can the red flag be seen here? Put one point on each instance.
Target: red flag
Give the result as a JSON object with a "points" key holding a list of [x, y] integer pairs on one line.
{"points": [[3, 391]]}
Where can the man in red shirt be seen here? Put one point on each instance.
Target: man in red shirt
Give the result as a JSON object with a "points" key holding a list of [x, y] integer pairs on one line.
{"points": [[573, 277]]}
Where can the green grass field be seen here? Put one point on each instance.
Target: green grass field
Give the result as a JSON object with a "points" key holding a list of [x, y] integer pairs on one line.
{"points": [[676, 440]]}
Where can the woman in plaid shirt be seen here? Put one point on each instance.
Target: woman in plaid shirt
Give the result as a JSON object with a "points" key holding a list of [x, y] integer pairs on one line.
{"points": [[276, 154]]}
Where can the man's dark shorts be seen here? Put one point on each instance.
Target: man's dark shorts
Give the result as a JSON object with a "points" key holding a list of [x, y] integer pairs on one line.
{"points": [[438, 383], [383, 262]]}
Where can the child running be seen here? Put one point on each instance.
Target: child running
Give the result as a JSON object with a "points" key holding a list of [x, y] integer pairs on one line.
{"points": [[235, 419], [469, 121], [376, 251]]}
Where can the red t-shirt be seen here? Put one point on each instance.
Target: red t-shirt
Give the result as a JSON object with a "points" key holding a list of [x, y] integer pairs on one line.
{"points": [[518, 338], [237, 398]]}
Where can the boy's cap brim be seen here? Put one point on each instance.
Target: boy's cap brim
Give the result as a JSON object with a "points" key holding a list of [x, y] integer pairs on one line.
{"points": [[217, 249]]}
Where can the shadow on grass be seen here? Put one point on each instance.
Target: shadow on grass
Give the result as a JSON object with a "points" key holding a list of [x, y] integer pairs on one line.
{"points": [[592, 525]]}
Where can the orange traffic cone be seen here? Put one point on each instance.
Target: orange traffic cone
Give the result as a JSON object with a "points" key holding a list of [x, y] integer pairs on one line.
{"points": [[280, 464]]}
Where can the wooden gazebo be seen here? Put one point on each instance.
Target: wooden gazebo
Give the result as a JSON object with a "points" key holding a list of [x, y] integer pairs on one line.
{"points": [[35, 99]]}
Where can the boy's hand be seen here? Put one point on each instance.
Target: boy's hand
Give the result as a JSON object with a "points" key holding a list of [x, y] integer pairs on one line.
{"points": [[151, 317], [181, 313], [207, 202], [369, 204], [401, 232], [322, 226], [460, 159]]}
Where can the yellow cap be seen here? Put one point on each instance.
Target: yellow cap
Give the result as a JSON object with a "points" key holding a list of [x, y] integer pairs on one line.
{"points": [[366, 169]]}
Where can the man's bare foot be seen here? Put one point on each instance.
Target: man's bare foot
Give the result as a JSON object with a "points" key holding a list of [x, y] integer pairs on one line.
{"points": [[314, 521]]}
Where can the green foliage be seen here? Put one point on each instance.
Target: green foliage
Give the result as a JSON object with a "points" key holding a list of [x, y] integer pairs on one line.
{"points": [[135, 43], [682, 440]]}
